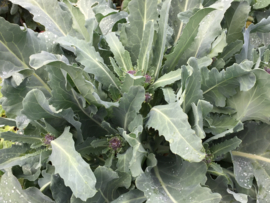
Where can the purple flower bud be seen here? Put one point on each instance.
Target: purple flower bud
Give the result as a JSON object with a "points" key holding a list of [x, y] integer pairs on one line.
{"points": [[147, 78], [115, 143], [48, 139], [132, 72], [147, 97], [267, 69]]}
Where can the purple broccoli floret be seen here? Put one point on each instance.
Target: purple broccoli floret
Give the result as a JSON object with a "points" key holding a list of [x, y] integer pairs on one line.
{"points": [[147, 78], [115, 143], [48, 139], [267, 69], [148, 97], [132, 72]]}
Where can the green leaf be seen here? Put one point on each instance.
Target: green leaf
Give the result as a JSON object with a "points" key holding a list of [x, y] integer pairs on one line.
{"points": [[246, 52], [236, 17], [17, 155], [138, 152], [36, 107], [243, 198], [219, 123], [172, 123], [217, 86], [253, 104], [141, 12], [261, 4], [60, 192], [64, 98], [107, 23], [146, 47], [160, 44], [79, 77], [208, 30], [71, 167], [169, 95], [93, 62], [86, 8], [218, 45], [187, 38], [252, 159], [225, 147], [78, 20], [220, 185], [11, 191], [180, 182], [121, 56], [168, 79], [129, 106], [11, 136], [108, 185], [50, 14], [123, 161], [16, 58], [191, 87], [231, 49], [7, 121], [133, 196], [200, 112], [176, 8]]}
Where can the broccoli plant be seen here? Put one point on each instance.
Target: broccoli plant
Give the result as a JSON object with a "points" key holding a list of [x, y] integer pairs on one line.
{"points": [[165, 101]]}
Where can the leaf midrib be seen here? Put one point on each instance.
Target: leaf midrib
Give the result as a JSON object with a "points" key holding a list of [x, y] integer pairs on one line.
{"points": [[250, 156]]}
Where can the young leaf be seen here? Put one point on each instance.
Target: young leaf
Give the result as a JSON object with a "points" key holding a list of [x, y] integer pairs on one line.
{"points": [[69, 164], [176, 8], [78, 20], [186, 39], [236, 17], [200, 112], [225, 147], [168, 79], [121, 56], [160, 44], [146, 47], [141, 12], [93, 62], [129, 106], [191, 87], [169, 95], [172, 123], [138, 152], [208, 30]]}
